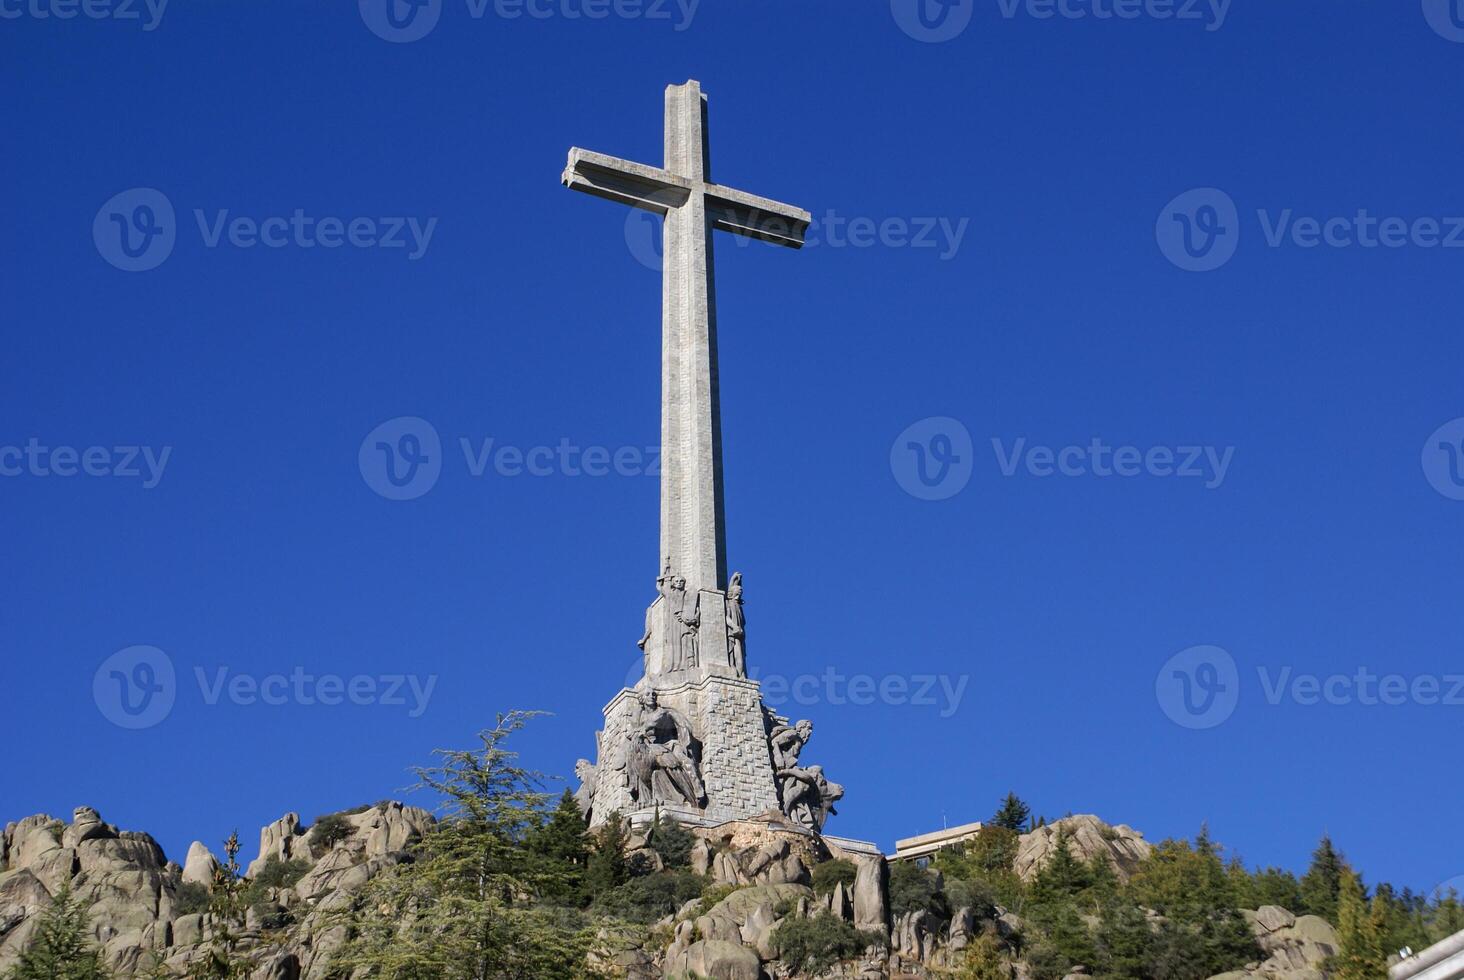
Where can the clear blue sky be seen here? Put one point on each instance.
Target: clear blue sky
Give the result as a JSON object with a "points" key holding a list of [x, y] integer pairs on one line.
{"points": [[528, 319]]}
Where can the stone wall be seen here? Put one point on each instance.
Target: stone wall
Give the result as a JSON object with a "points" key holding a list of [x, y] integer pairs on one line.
{"points": [[735, 757], [726, 718]]}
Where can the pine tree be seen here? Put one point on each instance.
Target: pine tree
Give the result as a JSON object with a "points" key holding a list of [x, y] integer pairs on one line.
{"points": [[1271, 886], [1204, 934], [563, 845], [1401, 917], [1321, 885], [62, 948], [466, 906], [1013, 814], [1063, 876], [227, 906], [985, 959], [1124, 942], [1361, 954], [607, 866], [671, 841], [1446, 917]]}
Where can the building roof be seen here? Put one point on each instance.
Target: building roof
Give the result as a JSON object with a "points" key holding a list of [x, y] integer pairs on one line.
{"points": [[926, 844]]}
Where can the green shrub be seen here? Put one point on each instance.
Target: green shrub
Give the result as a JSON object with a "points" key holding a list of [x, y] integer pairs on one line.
{"points": [[985, 959], [640, 864], [913, 889], [672, 841], [191, 897], [815, 945], [832, 874], [274, 874], [280, 874], [330, 830], [978, 896], [62, 947], [652, 897]]}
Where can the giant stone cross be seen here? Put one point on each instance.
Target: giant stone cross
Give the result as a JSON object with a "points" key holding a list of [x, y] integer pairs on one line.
{"points": [[693, 532], [692, 739]]}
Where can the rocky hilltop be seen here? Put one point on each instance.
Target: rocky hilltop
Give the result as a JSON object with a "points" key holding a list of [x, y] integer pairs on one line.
{"points": [[147, 911]]}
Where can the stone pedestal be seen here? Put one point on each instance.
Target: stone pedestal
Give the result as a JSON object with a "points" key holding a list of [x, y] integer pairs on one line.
{"points": [[730, 741]]}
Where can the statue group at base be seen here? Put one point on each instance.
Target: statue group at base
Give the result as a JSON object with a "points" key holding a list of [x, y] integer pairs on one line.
{"points": [[693, 736]]}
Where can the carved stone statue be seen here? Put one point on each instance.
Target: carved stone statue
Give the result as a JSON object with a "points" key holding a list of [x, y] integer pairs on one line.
{"points": [[808, 797], [736, 626], [638, 767], [663, 587], [787, 743], [673, 771], [688, 614], [627, 763], [585, 795]]}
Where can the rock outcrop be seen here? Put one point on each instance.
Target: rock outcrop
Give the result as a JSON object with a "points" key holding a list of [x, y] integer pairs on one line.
{"points": [[1296, 947], [200, 866], [750, 852], [715, 959], [1088, 837], [136, 896], [145, 909]]}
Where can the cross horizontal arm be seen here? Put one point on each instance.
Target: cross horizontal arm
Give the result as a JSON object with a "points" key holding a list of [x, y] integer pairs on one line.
{"points": [[640, 186], [756, 217]]}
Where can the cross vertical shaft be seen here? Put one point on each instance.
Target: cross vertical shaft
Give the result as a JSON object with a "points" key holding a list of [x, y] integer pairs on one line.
{"points": [[693, 521], [693, 524]]}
